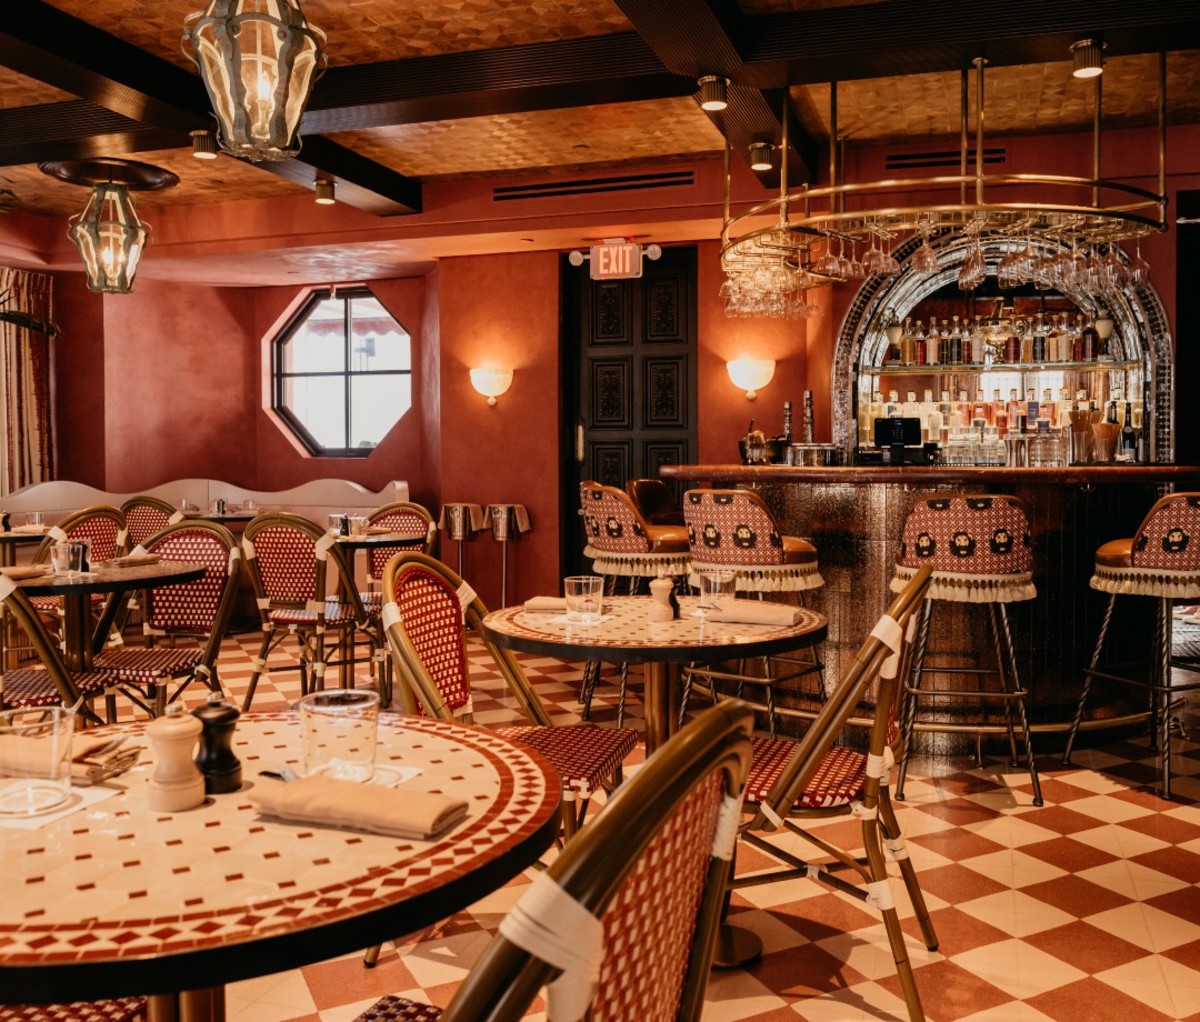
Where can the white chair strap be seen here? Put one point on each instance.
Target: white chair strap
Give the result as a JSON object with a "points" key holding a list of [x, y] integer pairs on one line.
{"points": [[549, 923], [888, 632], [729, 816], [390, 615]]}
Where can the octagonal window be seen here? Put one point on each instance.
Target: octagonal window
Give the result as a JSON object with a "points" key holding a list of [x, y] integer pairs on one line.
{"points": [[342, 373]]}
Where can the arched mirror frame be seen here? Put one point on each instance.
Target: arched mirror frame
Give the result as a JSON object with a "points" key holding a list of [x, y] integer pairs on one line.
{"points": [[1140, 326]]}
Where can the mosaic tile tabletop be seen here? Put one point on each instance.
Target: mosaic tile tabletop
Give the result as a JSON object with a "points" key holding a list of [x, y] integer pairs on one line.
{"points": [[118, 882]]}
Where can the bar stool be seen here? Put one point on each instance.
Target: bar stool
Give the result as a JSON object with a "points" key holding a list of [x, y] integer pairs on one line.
{"points": [[979, 548], [655, 501], [1163, 562], [625, 547], [735, 530]]}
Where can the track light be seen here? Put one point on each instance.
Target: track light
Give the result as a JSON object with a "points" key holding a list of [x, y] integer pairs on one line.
{"points": [[323, 188], [760, 155], [1089, 58], [712, 92], [204, 145]]}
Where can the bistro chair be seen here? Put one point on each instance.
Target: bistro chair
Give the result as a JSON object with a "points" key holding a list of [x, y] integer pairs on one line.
{"points": [[51, 684], [1162, 562], [734, 530], [290, 559], [102, 528], [979, 548], [635, 897], [122, 1009], [146, 516], [655, 501], [197, 611], [812, 779], [624, 547]]}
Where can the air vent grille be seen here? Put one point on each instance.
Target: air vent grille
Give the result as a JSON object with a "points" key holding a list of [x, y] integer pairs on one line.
{"points": [[594, 185], [942, 159]]}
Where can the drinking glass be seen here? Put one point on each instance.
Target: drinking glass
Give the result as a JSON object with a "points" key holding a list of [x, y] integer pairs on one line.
{"points": [[67, 558], [358, 525], [335, 524], [584, 595], [339, 730], [716, 589], [33, 517], [35, 760]]}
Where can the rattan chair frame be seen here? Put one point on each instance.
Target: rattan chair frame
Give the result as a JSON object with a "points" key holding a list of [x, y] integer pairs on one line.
{"points": [[170, 513], [879, 823], [591, 869], [154, 698], [315, 654]]}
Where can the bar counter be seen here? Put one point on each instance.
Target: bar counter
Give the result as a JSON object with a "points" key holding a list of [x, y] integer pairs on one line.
{"points": [[854, 516]]}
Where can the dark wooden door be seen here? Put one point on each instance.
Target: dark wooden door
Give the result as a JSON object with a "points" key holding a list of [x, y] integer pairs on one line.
{"points": [[629, 384]]}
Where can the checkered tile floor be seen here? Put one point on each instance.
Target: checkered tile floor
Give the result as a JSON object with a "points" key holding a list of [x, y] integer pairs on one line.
{"points": [[1087, 908]]}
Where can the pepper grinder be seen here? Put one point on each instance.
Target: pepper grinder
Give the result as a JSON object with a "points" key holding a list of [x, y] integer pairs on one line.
{"points": [[176, 783], [664, 605], [216, 759]]}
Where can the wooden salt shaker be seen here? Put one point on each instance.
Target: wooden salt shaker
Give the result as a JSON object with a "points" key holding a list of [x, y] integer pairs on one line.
{"points": [[664, 605], [176, 783]]}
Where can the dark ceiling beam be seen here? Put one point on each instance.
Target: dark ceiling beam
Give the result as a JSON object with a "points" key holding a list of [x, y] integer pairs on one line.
{"points": [[75, 130], [42, 43], [905, 37], [617, 68], [704, 37]]}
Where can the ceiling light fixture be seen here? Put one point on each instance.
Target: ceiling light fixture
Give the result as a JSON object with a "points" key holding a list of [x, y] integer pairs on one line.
{"points": [[760, 156], [712, 92], [1089, 58], [1066, 230], [108, 234], [258, 60], [323, 188], [204, 146]]}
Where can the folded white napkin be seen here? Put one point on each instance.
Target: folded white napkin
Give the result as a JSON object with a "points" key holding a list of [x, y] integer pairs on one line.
{"points": [[35, 530], [546, 605], [20, 571], [396, 812], [133, 560], [752, 612]]}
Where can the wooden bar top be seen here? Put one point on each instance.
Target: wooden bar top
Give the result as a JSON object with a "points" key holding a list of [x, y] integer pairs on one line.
{"points": [[931, 474]]}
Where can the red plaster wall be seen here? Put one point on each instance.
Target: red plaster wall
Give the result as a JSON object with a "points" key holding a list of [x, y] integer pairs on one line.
{"points": [[503, 310], [79, 392]]}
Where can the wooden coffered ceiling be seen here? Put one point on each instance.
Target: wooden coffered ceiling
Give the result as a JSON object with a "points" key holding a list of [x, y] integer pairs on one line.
{"points": [[421, 89]]}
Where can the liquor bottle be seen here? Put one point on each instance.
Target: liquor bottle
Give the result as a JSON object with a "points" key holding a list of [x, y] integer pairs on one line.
{"points": [[892, 408], [1033, 410], [925, 411], [999, 413], [920, 355], [908, 345], [1110, 412], [787, 422], [1049, 408], [981, 409], [1129, 448], [909, 408], [1077, 339], [1039, 340], [1089, 343], [954, 344], [958, 413], [933, 348], [1054, 342], [1015, 411], [1012, 349]]}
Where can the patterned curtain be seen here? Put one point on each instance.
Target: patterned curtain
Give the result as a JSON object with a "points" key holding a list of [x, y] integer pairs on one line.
{"points": [[25, 412]]}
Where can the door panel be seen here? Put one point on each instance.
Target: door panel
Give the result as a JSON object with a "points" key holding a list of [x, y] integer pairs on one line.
{"points": [[628, 358]]}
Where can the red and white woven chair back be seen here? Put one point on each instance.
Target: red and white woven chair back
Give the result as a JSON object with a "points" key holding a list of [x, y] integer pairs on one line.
{"points": [[977, 544], [286, 559], [1169, 537], [103, 530], [407, 520], [650, 925], [610, 520], [432, 617], [192, 606], [731, 527], [143, 521]]}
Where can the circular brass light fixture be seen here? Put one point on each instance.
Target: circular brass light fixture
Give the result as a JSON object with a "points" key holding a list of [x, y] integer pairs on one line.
{"points": [[108, 234], [1088, 57], [323, 188], [204, 145], [712, 92], [760, 155]]}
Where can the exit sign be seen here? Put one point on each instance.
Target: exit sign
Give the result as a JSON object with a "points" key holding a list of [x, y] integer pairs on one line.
{"points": [[616, 260]]}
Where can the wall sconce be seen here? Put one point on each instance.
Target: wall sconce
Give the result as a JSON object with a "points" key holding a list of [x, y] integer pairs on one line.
{"points": [[760, 155], [712, 92], [491, 383], [204, 146], [258, 60], [323, 191], [751, 374], [108, 234], [1089, 58]]}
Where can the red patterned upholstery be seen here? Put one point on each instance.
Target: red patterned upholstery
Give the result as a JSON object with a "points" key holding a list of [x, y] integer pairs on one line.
{"points": [[147, 516], [34, 687], [614, 525], [285, 561], [838, 780], [1162, 559], [584, 755], [406, 518], [144, 666], [433, 621], [398, 1009], [192, 606], [735, 529], [977, 544], [124, 1009], [335, 614]]}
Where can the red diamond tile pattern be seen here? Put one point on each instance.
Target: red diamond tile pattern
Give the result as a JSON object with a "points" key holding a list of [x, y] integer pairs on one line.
{"points": [[1086, 908]]}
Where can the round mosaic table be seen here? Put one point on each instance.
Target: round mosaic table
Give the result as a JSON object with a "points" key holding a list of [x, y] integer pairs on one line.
{"points": [[118, 900], [625, 634]]}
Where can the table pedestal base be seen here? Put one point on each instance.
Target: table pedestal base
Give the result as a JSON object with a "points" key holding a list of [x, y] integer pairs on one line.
{"points": [[188, 1006], [736, 946]]}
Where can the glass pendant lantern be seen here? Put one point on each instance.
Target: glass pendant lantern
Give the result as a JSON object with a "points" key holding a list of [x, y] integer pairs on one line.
{"points": [[110, 238]]}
